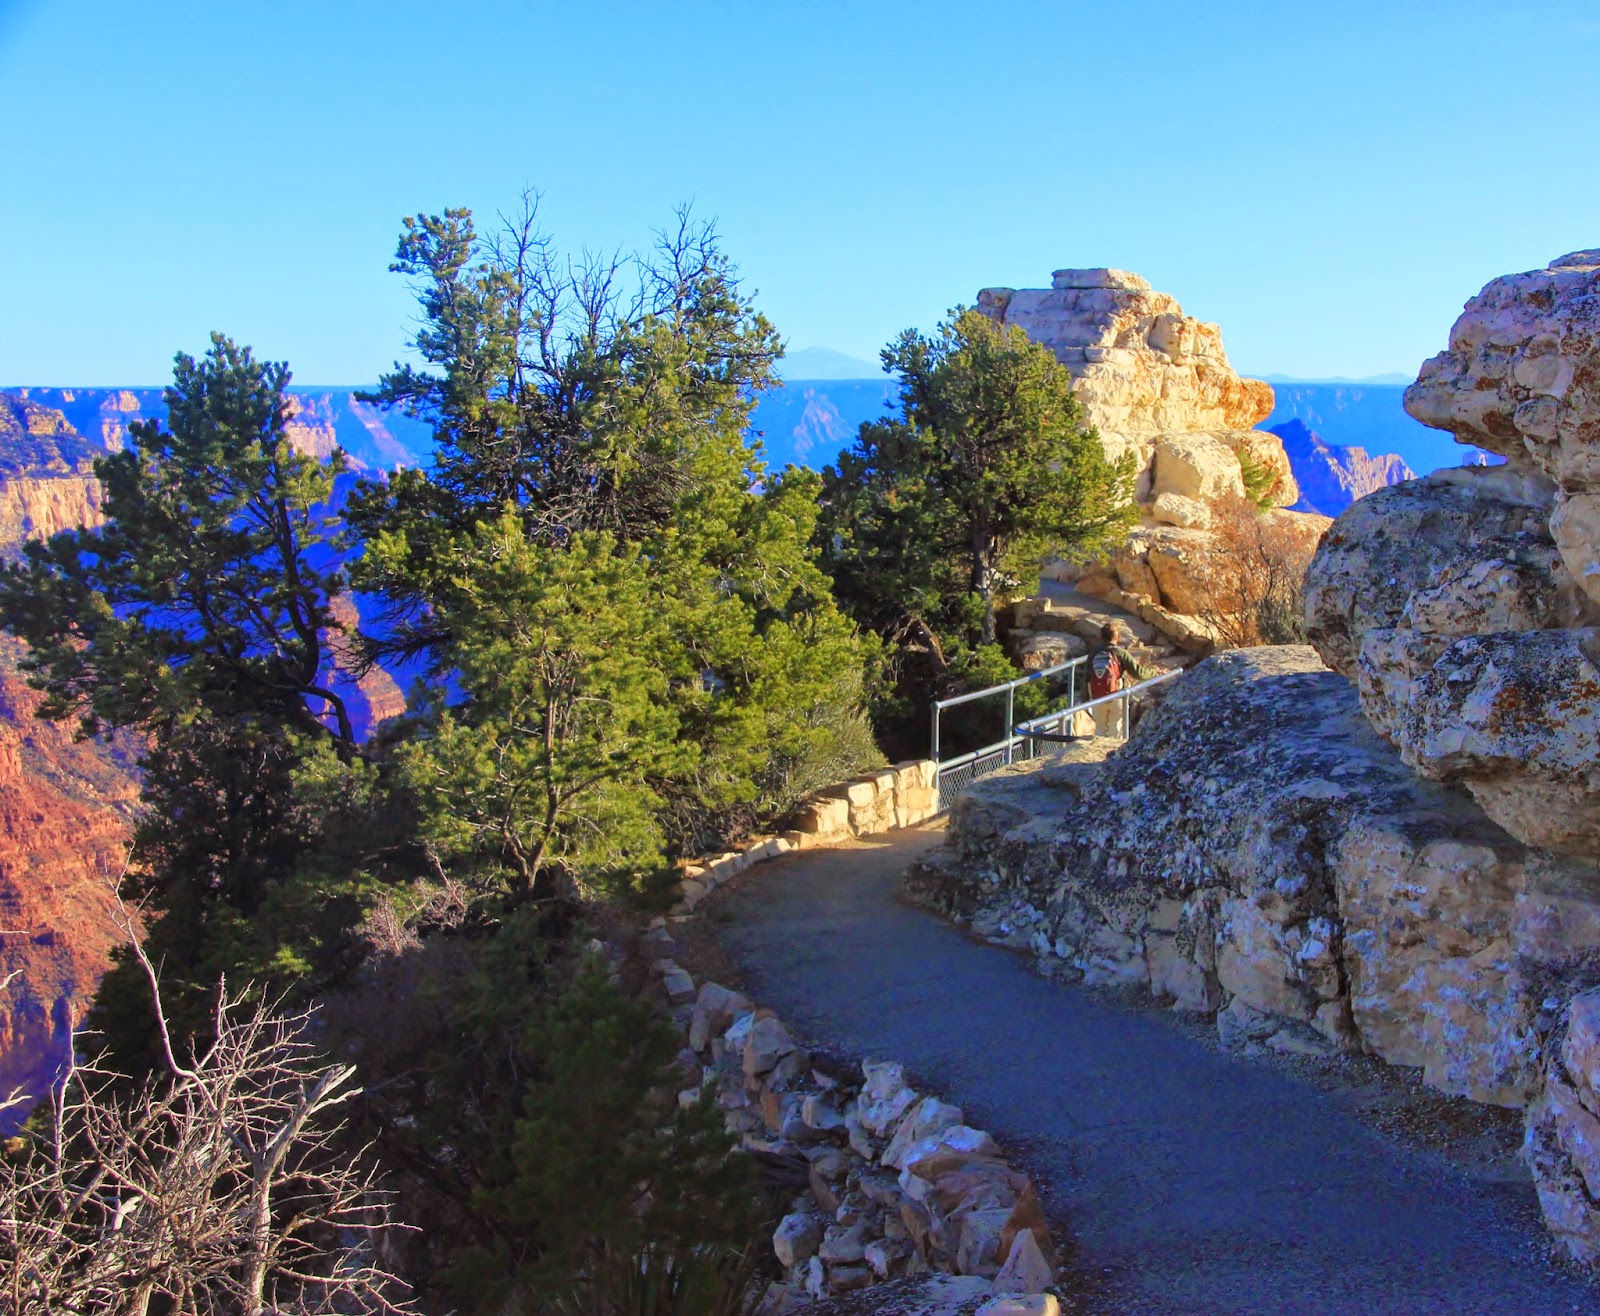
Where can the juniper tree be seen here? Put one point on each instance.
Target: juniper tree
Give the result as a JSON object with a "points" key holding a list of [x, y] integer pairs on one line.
{"points": [[199, 616], [597, 411], [933, 515]]}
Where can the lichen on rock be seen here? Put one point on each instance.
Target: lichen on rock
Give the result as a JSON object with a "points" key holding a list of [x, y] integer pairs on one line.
{"points": [[1256, 849]]}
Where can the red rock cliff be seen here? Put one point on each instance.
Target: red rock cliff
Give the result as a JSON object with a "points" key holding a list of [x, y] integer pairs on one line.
{"points": [[65, 814]]}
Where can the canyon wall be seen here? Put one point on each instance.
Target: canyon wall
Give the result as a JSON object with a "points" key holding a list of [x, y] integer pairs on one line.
{"points": [[66, 805], [320, 419], [66, 809], [47, 479], [1331, 477]]}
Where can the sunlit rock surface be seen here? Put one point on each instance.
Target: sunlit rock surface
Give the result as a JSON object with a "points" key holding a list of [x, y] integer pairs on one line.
{"points": [[1156, 385], [1259, 852]]}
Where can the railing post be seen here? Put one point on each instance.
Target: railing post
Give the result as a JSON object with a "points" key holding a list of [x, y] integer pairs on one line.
{"points": [[933, 748], [1011, 726]]}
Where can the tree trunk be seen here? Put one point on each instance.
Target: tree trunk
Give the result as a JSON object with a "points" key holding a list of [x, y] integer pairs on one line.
{"points": [[983, 574]]}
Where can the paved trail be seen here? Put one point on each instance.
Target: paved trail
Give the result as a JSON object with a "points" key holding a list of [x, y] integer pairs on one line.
{"points": [[1193, 1180]]}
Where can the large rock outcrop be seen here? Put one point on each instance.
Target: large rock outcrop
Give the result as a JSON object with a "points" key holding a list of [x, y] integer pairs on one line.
{"points": [[1156, 386], [1257, 851], [1464, 603], [1466, 607], [1153, 381]]}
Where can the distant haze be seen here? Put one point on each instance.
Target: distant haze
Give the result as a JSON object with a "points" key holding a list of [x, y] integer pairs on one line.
{"points": [[812, 417], [1395, 377], [825, 363]]}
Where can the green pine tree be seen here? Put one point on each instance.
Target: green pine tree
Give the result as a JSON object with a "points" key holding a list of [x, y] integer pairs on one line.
{"points": [[599, 416], [199, 616], [933, 516]]}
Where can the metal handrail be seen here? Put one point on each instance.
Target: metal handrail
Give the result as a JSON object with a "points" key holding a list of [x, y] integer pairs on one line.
{"points": [[1010, 690], [1025, 733], [1126, 692], [1011, 685]]}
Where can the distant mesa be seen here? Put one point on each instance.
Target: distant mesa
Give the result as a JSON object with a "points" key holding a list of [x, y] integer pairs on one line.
{"points": [[1332, 477], [810, 421], [1371, 416]]}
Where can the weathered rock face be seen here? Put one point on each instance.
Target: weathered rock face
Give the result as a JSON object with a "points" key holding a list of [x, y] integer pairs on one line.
{"points": [[1156, 385], [1462, 602], [1466, 607], [1514, 717], [1521, 376], [1256, 850], [1143, 369], [1563, 1131], [1153, 381], [65, 807], [36, 507], [1433, 540]]}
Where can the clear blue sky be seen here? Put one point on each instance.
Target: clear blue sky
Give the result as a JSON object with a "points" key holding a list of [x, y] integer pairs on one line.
{"points": [[1329, 182]]}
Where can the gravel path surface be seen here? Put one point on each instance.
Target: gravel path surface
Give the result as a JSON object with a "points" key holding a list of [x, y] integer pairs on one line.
{"points": [[1191, 1180]]}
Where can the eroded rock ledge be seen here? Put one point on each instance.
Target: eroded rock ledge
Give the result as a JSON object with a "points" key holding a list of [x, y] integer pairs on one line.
{"points": [[1258, 852]]}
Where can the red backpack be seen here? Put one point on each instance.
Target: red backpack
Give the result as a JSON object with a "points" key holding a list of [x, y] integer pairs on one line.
{"points": [[1105, 674]]}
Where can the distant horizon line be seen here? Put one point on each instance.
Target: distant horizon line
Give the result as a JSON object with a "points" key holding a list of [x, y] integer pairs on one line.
{"points": [[1394, 379]]}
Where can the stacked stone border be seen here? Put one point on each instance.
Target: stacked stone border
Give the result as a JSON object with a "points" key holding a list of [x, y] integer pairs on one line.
{"points": [[901, 796], [897, 1184]]}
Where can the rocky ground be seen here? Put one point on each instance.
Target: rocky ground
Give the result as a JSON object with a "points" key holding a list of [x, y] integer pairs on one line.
{"points": [[1186, 1178]]}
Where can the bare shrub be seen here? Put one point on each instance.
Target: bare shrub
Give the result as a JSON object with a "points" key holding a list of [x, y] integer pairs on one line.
{"points": [[217, 1187], [1252, 576]]}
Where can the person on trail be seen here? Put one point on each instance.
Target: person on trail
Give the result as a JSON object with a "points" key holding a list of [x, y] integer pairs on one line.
{"points": [[1109, 667]]}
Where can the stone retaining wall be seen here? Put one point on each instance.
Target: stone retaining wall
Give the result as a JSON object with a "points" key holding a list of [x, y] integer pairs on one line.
{"points": [[901, 796], [897, 1185]]}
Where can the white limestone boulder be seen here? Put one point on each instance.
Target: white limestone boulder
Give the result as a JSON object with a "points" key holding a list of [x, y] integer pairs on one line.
{"points": [[1175, 509], [1197, 466]]}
